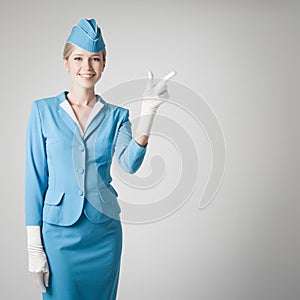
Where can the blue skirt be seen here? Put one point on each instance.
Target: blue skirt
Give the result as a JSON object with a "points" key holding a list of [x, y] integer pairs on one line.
{"points": [[84, 259]]}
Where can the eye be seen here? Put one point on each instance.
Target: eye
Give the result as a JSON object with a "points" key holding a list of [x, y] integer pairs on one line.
{"points": [[96, 59], [77, 58]]}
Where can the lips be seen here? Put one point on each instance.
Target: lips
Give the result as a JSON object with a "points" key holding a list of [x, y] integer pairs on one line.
{"points": [[87, 76]]}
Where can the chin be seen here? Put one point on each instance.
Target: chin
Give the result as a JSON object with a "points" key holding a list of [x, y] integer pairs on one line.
{"points": [[86, 85]]}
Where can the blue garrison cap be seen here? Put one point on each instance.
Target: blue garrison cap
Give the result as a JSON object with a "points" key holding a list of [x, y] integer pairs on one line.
{"points": [[87, 35]]}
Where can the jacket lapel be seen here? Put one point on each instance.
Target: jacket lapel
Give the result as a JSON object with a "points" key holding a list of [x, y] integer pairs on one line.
{"points": [[70, 122], [66, 115], [95, 118]]}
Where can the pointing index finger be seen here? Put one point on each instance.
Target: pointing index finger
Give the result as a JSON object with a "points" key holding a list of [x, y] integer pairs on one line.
{"points": [[169, 76], [162, 83]]}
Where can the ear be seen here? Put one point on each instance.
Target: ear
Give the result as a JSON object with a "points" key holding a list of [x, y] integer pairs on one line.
{"points": [[66, 65]]}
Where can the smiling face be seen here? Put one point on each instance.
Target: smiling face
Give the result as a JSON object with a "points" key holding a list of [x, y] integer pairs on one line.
{"points": [[85, 68]]}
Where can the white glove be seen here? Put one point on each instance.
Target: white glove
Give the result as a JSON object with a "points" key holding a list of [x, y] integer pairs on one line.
{"points": [[37, 261], [153, 96]]}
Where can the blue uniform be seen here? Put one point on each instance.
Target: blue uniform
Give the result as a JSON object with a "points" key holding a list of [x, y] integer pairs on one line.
{"points": [[68, 192]]}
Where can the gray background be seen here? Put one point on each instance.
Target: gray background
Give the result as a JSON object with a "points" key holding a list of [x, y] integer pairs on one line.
{"points": [[243, 57]]}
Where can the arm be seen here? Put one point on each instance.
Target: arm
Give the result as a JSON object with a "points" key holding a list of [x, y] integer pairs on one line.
{"points": [[36, 179], [129, 151], [36, 169]]}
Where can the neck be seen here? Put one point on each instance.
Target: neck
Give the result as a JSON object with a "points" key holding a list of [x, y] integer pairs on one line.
{"points": [[81, 96]]}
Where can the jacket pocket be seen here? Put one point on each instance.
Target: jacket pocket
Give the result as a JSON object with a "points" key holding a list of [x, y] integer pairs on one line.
{"points": [[53, 197]]}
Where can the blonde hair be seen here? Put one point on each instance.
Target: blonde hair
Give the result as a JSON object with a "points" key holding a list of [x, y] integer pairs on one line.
{"points": [[70, 47]]}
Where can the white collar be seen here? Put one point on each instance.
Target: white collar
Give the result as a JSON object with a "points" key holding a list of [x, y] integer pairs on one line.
{"points": [[96, 108]]}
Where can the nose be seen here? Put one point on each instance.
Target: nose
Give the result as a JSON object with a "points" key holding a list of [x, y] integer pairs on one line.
{"points": [[88, 64]]}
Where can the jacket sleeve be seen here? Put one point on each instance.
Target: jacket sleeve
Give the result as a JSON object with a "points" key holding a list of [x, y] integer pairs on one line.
{"points": [[36, 169], [129, 153]]}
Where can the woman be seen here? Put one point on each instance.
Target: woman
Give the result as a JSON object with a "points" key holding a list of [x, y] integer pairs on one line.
{"points": [[74, 233]]}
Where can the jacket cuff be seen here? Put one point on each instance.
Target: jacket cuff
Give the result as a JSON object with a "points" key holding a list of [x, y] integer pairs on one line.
{"points": [[136, 155]]}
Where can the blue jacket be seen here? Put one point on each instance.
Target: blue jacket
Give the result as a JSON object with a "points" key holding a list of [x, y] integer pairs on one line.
{"points": [[68, 171]]}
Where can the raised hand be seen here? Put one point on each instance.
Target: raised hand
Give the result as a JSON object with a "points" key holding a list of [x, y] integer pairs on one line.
{"points": [[154, 95]]}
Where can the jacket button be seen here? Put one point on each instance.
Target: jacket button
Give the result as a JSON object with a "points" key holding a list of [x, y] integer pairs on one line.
{"points": [[81, 148], [80, 193], [80, 170]]}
